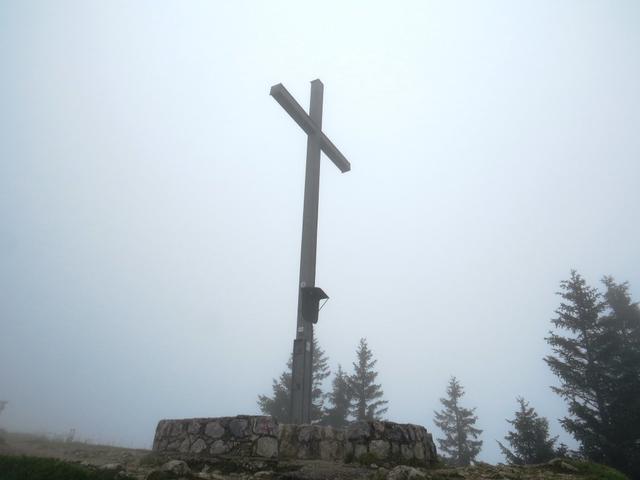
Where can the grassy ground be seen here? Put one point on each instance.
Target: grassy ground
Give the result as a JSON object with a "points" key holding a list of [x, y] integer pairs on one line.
{"points": [[41, 446], [594, 471], [37, 468]]}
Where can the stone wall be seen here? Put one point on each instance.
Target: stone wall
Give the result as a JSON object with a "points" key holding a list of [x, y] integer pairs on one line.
{"points": [[224, 436], [384, 441], [262, 437]]}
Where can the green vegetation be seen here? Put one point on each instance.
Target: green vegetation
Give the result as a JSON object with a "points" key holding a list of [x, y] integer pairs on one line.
{"points": [[367, 459], [530, 441], [596, 471], [596, 357], [337, 414], [366, 395], [153, 459], [353, 397], [279, 404], [36, 468], [460, 446]]}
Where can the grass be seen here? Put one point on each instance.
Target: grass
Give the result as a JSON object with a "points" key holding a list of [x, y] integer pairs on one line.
{"points": [[37, 468], [153, 459], [596, 471], [367, 459]]}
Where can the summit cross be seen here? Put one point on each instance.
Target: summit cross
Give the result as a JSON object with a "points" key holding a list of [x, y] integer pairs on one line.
{"points": [[309, 295]]}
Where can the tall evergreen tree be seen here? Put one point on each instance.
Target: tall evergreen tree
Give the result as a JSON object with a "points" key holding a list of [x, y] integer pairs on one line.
{"points": [[460, 443], [598, 365], [279, 404], [621, 351], [367, 403], [529, 440], [3, 403], [340, 399], [579, 364]]}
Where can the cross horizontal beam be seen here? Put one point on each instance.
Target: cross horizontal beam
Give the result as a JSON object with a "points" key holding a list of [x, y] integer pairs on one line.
{"points": [[293, 108]]}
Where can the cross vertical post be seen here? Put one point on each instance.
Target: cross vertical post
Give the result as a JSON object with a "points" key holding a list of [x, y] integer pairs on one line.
{"points": [[302, 374], [308, 294]]}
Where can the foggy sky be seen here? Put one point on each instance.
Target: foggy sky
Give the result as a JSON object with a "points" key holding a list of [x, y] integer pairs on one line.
{"points": [[151, 200]]}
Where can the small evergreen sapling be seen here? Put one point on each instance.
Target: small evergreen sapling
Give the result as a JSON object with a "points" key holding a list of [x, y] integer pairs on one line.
{"points": [[340, 399], [529, 440], [321, 370], [278, 405], [460, 444], [367, 403]]}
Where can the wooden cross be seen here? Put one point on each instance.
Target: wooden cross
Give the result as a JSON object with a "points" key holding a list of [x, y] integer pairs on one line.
{"points": [[309, 295]]}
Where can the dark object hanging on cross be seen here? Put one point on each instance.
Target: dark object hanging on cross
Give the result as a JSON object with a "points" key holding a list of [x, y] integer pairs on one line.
{"points": [[309, 296]]}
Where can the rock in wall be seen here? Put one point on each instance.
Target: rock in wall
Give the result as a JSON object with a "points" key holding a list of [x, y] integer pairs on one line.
{"points": [[261, 436]]}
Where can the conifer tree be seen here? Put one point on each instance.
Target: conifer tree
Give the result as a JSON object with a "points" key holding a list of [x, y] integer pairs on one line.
{"points": [[279, 404], [578, 362], [340, 399], [3, 403], [598, 365], [529, 440], [321, 370], [460, 443], [621, 351], [367, 403]]}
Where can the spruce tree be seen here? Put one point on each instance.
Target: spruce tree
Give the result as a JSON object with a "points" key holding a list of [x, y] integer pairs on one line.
{"points": [[367, 403], [3, 403], [279, 404], [340, 399], [529, 440], [460, 443], [621, 351], [598, 365], [579, 363], [321, 370]]}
